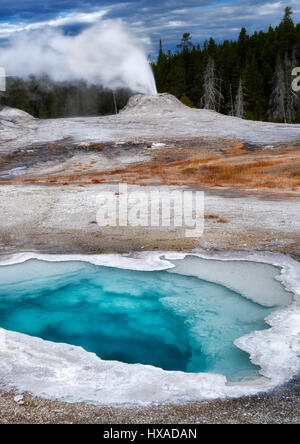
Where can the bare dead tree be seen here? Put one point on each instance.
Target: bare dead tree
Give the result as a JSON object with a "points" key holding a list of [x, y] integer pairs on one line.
{"points": [[212, 96], [115, 102], [291, 97], [239, 105], [283, 99], [221, 95], [278, 95], [231, 112]]}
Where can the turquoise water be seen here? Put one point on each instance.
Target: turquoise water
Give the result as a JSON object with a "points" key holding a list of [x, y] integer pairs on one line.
{"points": [[167, 320]]}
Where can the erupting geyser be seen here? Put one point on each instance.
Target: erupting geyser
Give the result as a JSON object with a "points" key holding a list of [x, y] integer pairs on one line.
{"points": [[103, 54]]}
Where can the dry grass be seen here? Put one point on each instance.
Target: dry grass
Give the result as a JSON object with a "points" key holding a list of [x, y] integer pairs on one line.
{"points": [[272, 173], [216, 218]]}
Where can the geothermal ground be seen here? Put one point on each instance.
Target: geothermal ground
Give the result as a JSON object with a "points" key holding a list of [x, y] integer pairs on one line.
{"points": [[52, 171]]}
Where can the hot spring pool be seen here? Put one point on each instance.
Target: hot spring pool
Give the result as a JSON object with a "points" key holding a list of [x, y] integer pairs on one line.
{"points": [[167, 320]]}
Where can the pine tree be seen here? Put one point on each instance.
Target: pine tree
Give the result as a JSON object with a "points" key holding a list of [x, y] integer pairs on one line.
{"points": [[286, 33], [160, 49], [160, 70], [176, 80], [242, 45], [186, 101], [254, 90], [186, 42]]}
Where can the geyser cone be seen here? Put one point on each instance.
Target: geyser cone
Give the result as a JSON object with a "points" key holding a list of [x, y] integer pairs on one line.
{"points": [[163, 103]]}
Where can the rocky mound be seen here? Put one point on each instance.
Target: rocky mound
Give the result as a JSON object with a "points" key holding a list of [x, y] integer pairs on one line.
{"points": [[14, 114], [162, 103]]}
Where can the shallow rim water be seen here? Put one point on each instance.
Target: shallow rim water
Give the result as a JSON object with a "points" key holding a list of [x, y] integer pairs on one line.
{"points": [[139, 383]]}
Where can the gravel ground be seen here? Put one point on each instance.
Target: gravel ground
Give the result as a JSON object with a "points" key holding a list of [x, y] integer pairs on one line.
{"points": [[278, 407], [63, 220]]}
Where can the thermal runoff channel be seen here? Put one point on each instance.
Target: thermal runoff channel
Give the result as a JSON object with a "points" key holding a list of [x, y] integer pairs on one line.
{"points": [[163, 319]]}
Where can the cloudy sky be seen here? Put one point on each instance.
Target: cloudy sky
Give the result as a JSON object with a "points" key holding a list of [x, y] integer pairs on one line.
{"points": [[150, 19]]}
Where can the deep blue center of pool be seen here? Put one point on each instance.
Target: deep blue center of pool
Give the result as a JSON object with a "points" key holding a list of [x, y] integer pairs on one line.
{"points": [[167, 320]]}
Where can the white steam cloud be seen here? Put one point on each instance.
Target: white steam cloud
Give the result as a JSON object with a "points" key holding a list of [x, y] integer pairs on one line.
{"points": [[106, 53]]}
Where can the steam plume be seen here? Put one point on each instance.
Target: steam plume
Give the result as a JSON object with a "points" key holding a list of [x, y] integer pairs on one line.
{"points": [[105, 53]]}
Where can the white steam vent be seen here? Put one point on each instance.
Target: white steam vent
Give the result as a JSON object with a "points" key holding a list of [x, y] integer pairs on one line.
{"points": [[104, 54]]}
